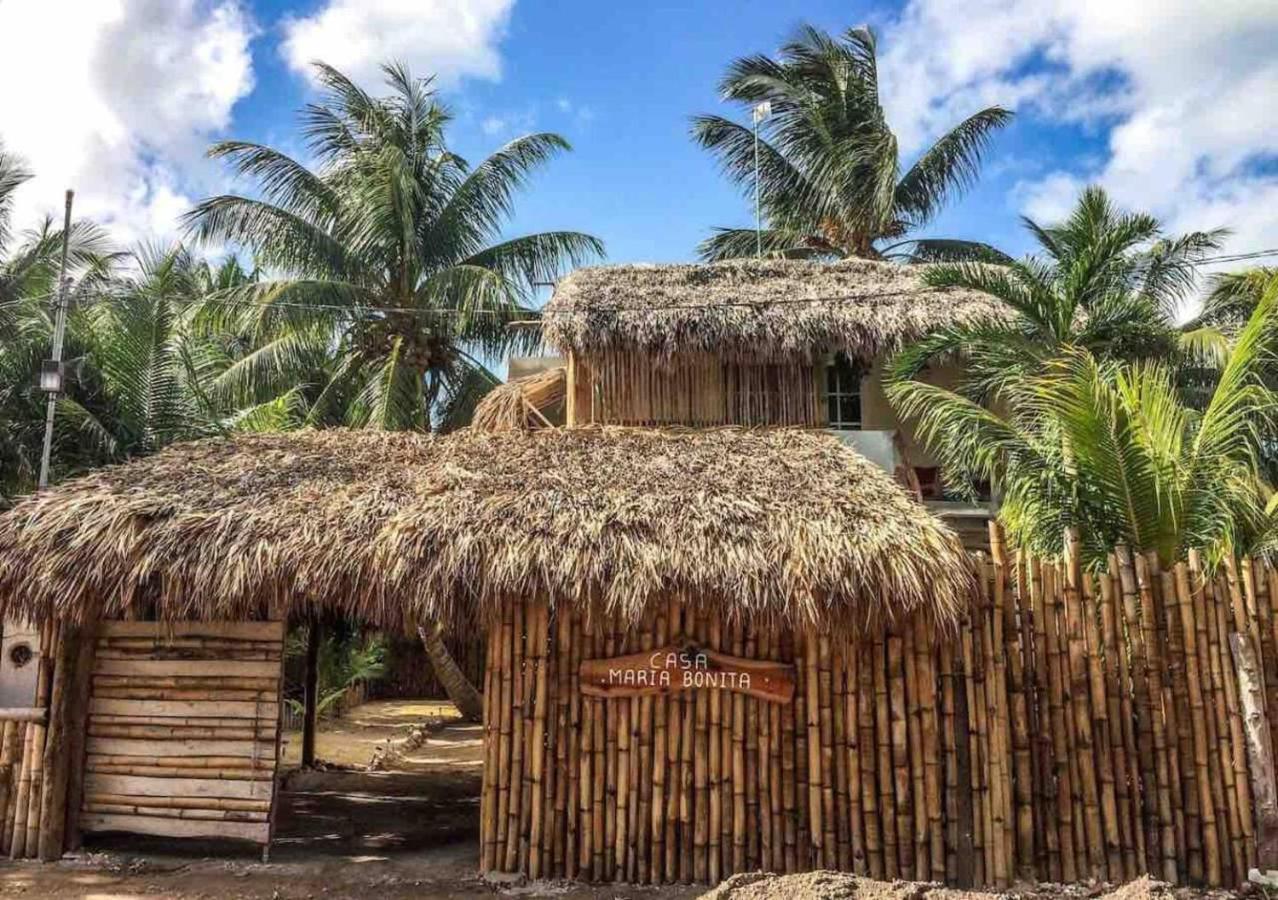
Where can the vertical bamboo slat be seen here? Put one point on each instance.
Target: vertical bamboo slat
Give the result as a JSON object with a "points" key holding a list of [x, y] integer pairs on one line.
{"points": [[1076, 723]]}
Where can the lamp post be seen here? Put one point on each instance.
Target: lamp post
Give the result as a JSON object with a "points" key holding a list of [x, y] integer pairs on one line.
{"points": [[761, 112], [52, 372]]}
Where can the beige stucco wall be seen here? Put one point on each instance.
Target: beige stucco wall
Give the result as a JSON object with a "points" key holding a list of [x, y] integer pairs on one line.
{"points": [[877, 413]]}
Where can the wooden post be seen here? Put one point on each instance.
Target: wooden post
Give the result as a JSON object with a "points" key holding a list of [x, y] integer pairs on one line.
{"points": [[1259, 751], [310, 693]]}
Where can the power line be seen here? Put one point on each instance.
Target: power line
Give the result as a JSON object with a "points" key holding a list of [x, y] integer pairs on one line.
{"points": [[400, 310]]}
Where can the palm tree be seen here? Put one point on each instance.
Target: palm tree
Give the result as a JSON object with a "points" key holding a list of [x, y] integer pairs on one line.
{"points": [[1105, 280], [830, 179], [28, 282], [1233, 296], [143, 371], [390, 258], [1113, 449], [395, 282]]}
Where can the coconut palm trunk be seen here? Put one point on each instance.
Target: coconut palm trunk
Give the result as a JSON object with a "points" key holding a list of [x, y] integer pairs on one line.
{"points": [[458, 687]]}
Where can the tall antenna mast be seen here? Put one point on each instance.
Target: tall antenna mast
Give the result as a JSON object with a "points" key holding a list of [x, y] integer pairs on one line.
{"points": [[761, 112]]}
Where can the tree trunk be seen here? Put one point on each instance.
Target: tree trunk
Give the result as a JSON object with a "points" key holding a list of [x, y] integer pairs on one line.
{"points": [[310, 689], [459, 689]]}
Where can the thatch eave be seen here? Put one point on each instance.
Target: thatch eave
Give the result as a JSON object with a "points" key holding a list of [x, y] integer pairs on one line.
{"points": [[755, 310], [782, 525]]}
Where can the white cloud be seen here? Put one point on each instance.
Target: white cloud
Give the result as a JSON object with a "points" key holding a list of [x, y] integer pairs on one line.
{"points": [[1180, 90], [451, 39], [1049, 199], [117, 99]]}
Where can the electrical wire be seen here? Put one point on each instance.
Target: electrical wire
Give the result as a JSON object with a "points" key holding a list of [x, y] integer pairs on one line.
{"points": [[840, 298]]}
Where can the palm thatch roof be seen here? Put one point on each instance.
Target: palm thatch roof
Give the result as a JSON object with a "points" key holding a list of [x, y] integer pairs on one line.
{"points": [[754, 309], [783, 525], [522, 403]]}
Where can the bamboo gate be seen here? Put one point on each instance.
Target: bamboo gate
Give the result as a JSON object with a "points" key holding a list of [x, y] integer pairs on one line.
{"points": [[1077, 726]]}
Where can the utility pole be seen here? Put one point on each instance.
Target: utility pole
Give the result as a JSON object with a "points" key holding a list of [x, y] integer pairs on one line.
{"points": [[51, 372], [761, 112]]}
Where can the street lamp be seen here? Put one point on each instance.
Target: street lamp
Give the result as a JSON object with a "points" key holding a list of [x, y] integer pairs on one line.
{"points": [[52, 376]]}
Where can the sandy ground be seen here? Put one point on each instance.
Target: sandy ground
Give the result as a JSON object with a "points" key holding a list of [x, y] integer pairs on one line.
{"points": [[353, 740], [842, 886], [342, 832]]}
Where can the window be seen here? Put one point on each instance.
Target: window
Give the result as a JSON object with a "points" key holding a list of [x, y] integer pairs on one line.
{"points": [[843, 394]]}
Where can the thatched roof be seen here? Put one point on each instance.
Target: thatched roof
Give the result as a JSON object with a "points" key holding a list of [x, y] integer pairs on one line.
{"points": [[785, 524], [523, 403], [761, 309]]}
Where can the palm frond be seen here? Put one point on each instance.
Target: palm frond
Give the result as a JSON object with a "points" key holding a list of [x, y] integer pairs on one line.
{"points": [[949, 166], [740, 243]]}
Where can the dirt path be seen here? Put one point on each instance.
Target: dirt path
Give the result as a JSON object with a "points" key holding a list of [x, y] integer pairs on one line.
{"points": [[353, 740]]}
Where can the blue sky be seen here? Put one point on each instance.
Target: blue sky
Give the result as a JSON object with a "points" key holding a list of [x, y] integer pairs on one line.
{"points": [[1166, 102]]}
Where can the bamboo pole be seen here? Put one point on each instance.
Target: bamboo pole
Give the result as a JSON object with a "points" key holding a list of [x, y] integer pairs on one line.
{"points": [[701, 774], [788, 773], [660, 764], [1179, 724], [883, 737], [1237, 802], [775, 786], [1079, 701], [1198, 724], [919, 856], [506, 732], [801, 761], [740, 779], [839, 744], [564, 737], [1201, 591], [1044, 715], [949, 753], [924, 642], [1238, 746], [1104, 725], [492, 747], [673, 785], [763, 760], [687, 776], [871, 810], [715, 843], [749, 805], [852, 723], [611, 713], [1146, 577], [538, 631], [514, 861], [1121, 737], [1259, 751], [965, 813]]}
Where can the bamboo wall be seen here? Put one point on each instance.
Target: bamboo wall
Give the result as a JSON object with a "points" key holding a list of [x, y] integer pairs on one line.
{"points": [[22, 771], [693, 390], [1076, 727], [182, 729]]}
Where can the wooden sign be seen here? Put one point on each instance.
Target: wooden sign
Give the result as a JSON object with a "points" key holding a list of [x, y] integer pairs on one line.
{"points": [[686, 667]]}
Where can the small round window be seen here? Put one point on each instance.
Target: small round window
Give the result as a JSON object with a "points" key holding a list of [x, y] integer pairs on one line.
{"points": [[20, 655]]}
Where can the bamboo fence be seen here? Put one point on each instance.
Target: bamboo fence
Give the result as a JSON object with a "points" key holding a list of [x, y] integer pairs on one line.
{"points": [[1077, 726]]}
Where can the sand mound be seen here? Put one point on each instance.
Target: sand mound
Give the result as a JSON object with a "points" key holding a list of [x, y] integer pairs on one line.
{"points": [[843, 886]]}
